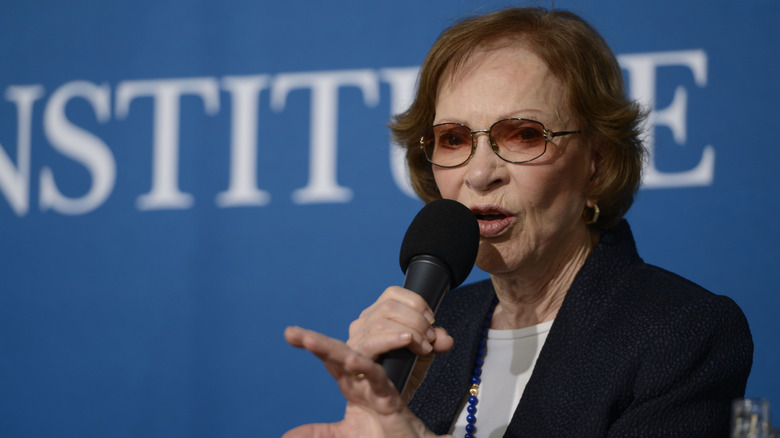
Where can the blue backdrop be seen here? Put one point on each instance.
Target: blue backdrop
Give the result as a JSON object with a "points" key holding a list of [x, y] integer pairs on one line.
{"points": [[180, 180]]}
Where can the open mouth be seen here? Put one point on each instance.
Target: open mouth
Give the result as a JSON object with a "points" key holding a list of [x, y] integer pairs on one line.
{"points": [[490, 216], [492, 220]]}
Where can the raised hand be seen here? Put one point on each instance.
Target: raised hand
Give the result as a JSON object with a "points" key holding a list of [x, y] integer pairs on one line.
{"points": [[374, 407]]}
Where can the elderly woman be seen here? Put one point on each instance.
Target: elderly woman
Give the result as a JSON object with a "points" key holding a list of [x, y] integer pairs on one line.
{"points": [[521, 116]]}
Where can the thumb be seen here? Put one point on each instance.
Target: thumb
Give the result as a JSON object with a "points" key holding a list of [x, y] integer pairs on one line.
{"points": [[443, 342], [417, 376]]}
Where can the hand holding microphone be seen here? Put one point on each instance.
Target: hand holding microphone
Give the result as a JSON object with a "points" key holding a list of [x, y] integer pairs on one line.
{"points": [[437, 254]]}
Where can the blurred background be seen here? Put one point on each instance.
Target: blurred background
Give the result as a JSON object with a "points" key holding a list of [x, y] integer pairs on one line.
{"points": [[181, 180]]}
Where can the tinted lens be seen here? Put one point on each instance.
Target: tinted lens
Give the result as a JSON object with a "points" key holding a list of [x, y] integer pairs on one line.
{"points": [[448, 144], [518, 140]]}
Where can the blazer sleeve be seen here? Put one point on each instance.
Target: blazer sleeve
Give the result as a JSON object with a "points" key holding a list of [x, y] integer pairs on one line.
{"points": [[697, 361]]}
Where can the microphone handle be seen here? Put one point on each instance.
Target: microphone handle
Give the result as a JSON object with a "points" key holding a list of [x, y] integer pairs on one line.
{"points": [[430, 278]]}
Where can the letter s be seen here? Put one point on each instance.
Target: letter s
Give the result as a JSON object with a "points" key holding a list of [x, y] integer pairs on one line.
{"points": [[80, 145]]}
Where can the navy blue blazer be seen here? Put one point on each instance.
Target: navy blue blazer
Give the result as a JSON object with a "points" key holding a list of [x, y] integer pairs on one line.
{"points": [[635, 351]]}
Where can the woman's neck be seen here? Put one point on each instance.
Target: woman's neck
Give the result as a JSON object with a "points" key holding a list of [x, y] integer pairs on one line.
{"points": [[526, 300]]}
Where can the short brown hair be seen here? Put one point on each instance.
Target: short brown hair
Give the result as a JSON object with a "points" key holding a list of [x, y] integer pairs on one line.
{"points": [[580, 58]]}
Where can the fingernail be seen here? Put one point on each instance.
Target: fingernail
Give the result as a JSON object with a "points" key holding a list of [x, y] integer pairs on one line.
{"points": [[430, 334], [427, 347], [429, 316]]}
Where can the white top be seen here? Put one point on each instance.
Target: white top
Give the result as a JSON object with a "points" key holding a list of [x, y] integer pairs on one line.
{"points": [[509, 360]]}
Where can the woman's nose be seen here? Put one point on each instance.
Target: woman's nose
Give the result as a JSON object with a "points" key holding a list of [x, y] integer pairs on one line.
{"points": [[486, 170]]}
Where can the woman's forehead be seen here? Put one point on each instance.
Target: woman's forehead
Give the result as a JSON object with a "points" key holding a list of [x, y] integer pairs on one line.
{"points": [[505, 81]]}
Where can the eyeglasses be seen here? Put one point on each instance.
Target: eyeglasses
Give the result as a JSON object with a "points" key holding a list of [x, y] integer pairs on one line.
{"points": [[513, 140]]}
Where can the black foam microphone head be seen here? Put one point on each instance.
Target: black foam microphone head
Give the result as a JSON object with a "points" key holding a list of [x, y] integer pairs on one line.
{"points": [[447, 230]]}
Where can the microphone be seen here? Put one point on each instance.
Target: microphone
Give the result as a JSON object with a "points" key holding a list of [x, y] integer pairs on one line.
{"points": [[437, 254]]}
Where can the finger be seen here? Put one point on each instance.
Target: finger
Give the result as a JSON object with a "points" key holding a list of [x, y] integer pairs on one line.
{"points": [[319, 344], [361, 380], [398, 304], [408, 298], [374, 345], [340, 360], [385, 335], [403, 313], [368, 385], [293, 336], [316, 430], [390, 310], [362, 368]]}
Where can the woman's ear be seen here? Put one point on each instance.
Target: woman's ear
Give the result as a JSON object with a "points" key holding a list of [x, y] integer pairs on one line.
{"points": [[595, 161], [594, 187]]}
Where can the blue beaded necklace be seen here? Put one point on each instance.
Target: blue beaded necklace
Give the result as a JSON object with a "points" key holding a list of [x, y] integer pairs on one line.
{"points": [[471, 418]]}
